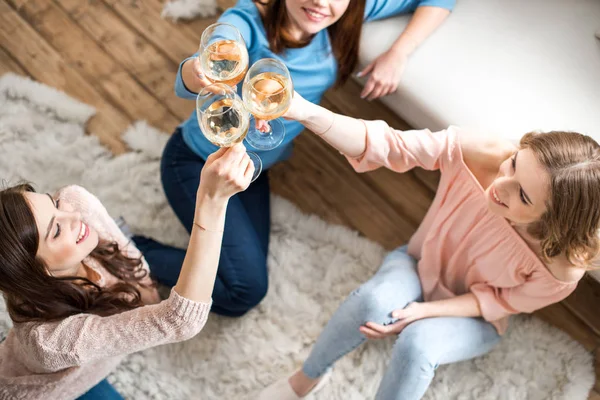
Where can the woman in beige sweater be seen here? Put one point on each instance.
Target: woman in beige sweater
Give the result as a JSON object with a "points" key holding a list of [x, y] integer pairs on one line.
{"points": [[79, 293]]}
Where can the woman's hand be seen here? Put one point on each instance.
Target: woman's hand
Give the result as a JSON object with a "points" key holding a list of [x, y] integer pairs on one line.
{"points": [[404, 316], [385, 73], [227, 171], [192, 75]]}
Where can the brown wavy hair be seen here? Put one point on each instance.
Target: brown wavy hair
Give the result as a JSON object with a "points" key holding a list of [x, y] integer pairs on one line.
{"points": [[571, 222], [344, 34], [32, 294]]}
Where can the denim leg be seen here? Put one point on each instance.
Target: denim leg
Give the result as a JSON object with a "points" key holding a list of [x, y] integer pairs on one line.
{"points": [[165, 261], [102, 391], [256, 200], [242, 280], [395, 285], [427, 343]]}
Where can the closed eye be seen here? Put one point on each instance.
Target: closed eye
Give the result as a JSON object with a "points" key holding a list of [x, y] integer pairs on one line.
{"points": [[57, 204], [522, 194]]}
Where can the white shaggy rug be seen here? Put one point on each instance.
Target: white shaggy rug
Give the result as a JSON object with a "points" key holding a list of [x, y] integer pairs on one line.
{"points": [[189, 9], [313, 266]]}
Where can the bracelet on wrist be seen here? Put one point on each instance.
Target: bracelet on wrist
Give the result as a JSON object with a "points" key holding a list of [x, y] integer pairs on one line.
{"points": [[330, 125], [207, 230]]}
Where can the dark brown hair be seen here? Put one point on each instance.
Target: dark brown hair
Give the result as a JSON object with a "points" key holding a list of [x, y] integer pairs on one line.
{"points": [[32, 294], [572, 219], [344, 34]]}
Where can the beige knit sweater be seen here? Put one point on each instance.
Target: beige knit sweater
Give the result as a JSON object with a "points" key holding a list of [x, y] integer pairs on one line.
{"points": [[64, 359]]}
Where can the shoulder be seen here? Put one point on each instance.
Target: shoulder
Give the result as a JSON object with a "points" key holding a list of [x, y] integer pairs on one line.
{"points": [[564, 271], [245, 11], [246, 17], [482, 150], [78, 196]]}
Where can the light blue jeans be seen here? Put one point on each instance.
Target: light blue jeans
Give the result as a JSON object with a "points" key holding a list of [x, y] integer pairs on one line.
{"points": [[419, 348]]}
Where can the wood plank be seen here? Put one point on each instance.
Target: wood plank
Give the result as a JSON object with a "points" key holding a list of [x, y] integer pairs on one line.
{"points": [[318, 177], [44, 64], [583, 302], [197, 26], [559, 316], [144, 16], [89, 60], [347, 100], [405, 192], [8, 64], [151, 68]]}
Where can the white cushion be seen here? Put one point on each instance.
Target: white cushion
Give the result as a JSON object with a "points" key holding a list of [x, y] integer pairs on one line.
{"points": [[505, 66]]}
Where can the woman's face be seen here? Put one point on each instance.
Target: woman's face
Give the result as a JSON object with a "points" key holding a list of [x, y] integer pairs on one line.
{"points": [[64, 239], [520, 191], [312, 16]]}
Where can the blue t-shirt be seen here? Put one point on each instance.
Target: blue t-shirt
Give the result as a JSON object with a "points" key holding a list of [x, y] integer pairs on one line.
{"points": [[313, 68]]}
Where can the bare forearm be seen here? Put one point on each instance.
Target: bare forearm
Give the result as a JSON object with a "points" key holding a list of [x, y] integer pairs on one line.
{"points": [[465, 305], [424, 21], [346, 134], [197, 278]]}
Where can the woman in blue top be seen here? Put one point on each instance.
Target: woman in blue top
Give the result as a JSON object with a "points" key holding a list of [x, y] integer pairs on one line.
{"points": [[318, 42]]}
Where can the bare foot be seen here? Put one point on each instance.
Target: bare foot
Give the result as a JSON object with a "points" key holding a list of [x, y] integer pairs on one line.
{"points": [[302, 384]]}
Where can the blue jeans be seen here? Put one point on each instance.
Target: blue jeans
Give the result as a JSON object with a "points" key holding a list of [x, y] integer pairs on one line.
{"points": [[242, 280], [102, 391], [419, 348]]}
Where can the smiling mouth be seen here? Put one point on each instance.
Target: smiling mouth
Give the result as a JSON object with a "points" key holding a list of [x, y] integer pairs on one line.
{"points": [[84, 232], [494, 195], [314, 15]]}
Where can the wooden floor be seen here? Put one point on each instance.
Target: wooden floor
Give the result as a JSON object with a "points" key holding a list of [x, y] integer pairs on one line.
{"points": [[121, 57]]}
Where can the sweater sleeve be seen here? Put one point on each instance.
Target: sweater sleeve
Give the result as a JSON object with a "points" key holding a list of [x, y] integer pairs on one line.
{"points": [[84, 338], [401, 151], [537, 292], [180, 89], [95, 214]]}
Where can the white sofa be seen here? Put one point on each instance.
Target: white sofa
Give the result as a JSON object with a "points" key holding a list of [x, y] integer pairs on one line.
{"points": [[504, 66]]}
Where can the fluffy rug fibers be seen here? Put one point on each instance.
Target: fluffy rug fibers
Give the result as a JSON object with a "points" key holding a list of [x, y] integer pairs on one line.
{"points": [[313, 266]]}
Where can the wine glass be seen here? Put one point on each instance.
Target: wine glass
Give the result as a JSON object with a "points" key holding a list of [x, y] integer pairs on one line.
{"points": [[267, 94], [223, 119], [223, 54]]}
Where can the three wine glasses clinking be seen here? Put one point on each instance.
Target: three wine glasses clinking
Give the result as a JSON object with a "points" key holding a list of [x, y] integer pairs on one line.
{"points": [[225, 118]]}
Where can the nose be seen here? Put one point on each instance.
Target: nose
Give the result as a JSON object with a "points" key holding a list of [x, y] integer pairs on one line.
{"points": [[505, 184], [320, 3], [73, 218]]}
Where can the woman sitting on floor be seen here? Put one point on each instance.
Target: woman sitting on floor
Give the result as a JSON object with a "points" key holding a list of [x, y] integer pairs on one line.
{"points": [[318, 42], [79, 292], [511, 230]]}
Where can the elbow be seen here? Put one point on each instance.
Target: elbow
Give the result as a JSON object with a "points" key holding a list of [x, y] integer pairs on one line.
{"points": [[188, 329]]}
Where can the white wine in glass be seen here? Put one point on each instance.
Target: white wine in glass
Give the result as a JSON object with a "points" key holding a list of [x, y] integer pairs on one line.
{"points": [[223, 122], [223, 119], [223, 54], [267, 94]]}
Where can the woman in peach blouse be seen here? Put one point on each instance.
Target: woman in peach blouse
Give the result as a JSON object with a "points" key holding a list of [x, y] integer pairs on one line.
{"points": [[511, 230]]}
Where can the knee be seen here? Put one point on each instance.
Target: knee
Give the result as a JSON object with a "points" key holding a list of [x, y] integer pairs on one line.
{"points": [[245, 298], [413, 347], [373, 304]]}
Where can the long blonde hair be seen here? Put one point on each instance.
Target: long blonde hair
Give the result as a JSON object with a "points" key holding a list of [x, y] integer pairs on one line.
{"points": [[571, 222]]}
